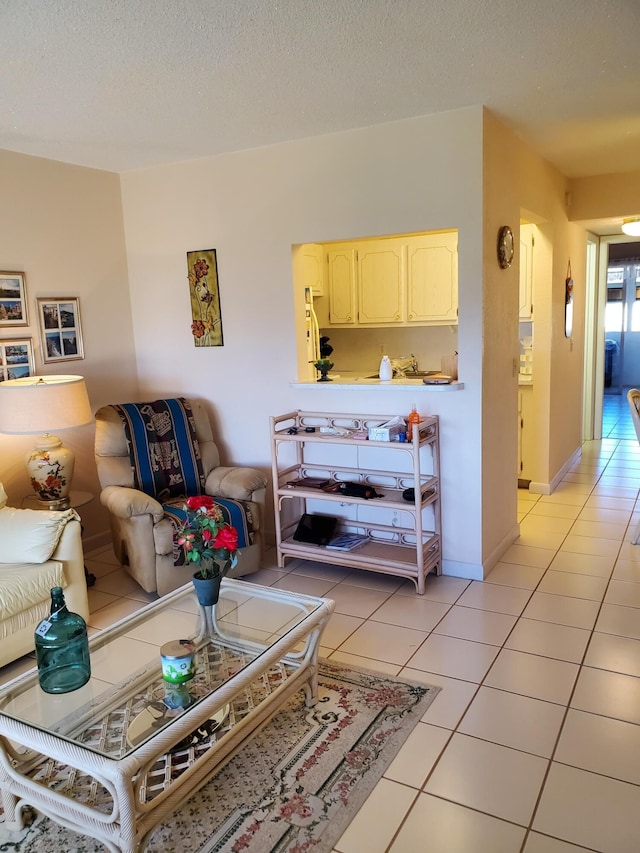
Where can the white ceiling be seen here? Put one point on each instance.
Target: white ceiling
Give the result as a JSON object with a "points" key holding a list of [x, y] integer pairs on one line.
{"points": [[126, 84]]}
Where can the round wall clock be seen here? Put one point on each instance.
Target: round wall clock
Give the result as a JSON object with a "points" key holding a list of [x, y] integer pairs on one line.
{"points": [[505, 247]]}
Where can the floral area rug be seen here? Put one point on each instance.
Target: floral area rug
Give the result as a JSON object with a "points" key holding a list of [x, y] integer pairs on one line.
{"points": [[293, 788]]}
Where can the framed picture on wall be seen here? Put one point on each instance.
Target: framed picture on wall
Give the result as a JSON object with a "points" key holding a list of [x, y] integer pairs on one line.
{"points": [[60, 332], [204, 293], [13, 299], [16, 359]]}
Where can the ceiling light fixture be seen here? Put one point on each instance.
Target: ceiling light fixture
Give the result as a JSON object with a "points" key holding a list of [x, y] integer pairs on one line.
{"points": [[631, 227]]}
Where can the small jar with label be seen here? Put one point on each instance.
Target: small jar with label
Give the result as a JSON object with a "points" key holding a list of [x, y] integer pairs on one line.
{"points": [[178, 661]]}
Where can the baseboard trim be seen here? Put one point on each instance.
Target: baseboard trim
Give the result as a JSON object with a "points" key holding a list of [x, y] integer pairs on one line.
{"points": [[549, 488], [99, 540]]}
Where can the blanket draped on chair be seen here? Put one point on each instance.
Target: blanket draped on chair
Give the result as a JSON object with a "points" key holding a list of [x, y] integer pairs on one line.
{"points": [[163, 448], [166, 463]]}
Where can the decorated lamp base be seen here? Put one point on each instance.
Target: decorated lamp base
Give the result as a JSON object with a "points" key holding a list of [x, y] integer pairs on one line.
{"points": [[50, 468]]}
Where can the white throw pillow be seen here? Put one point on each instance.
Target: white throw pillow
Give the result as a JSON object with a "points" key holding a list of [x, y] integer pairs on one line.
{"points": [[31, 535], [3, 496]]}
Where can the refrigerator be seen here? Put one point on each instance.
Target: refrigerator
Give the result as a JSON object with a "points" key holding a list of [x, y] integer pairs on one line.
{"points": [[312, 331]]}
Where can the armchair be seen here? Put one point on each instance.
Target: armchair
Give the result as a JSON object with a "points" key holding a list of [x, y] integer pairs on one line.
{"points": [[142, 530], [38, 550]]}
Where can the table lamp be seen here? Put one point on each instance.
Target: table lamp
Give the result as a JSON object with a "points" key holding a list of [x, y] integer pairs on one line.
{"points": [[44, 404]]}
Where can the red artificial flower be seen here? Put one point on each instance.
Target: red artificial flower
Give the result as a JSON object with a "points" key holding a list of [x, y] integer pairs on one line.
{"points": [[227, 538], [200, 502]]}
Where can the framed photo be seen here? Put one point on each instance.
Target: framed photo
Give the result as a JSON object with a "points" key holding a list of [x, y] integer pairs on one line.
{"points": [[60, 332], [16, 359], [206, 315], [13, 299]]}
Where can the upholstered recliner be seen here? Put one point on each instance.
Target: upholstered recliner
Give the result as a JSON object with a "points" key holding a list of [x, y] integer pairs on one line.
{"points": [[142, 533]]}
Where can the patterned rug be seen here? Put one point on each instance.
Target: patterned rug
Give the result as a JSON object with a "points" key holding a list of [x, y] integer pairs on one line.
{"points": [[294, 787]]}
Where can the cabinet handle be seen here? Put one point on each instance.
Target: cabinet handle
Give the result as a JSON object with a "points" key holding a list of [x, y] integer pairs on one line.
{"points": [[397, 317]]}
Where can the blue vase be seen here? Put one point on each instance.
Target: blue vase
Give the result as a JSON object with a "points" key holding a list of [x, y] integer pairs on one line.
{"points": [[207, 590]]}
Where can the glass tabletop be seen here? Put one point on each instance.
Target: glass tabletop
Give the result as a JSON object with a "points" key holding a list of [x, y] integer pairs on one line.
{"points": [[126, 699]]}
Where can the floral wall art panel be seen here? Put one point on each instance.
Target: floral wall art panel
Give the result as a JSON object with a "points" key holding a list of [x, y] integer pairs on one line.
{"points": [[206, 327]]}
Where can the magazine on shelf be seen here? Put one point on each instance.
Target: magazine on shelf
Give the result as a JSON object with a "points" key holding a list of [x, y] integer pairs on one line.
{"points": [[347, 542], [309, 483]]}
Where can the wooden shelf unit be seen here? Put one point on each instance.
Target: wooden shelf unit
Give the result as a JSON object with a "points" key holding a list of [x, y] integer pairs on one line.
{"points": [[405, 539]]}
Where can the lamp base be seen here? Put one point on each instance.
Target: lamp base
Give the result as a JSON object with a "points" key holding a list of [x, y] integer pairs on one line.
{"points": [[50, 466]]}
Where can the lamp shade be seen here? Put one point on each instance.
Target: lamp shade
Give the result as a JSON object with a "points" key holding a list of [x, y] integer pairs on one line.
{"points": [[38, 404], [631, 227]]}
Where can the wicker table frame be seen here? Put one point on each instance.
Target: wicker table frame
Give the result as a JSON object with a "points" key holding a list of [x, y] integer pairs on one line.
{"points": [[121, 801]]}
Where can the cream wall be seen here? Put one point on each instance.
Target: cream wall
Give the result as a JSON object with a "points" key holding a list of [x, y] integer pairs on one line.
{"points": [[605, 196], [418, 175], [62, 226]]}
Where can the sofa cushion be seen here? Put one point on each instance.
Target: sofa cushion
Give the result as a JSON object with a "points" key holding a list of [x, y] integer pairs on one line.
{"points": [[31, 535], [22, 587]]}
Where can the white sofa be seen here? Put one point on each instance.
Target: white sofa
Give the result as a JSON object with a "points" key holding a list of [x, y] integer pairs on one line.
{"points": [[38, 550]]}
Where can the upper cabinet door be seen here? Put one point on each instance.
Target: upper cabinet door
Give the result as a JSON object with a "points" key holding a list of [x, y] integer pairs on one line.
{"points": [[313, 268], [381, 275], [433, 279], [525, 310], [342, 286]]}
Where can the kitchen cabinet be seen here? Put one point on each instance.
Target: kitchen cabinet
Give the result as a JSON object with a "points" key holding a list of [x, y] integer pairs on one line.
{"points": [[401, 537], [527, 242], [341, 264], [381, 272], [312, 256], [432, 280], [400, 281]]}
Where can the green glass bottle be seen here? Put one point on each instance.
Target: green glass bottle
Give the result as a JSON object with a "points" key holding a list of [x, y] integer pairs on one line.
{"points": [[62, 648]]}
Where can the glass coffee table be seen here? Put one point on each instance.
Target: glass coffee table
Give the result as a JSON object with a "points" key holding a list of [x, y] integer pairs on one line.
{"points": [[116, 756]]}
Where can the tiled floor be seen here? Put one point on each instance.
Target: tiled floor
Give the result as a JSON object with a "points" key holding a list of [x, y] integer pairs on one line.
{"points": [[533, 745]]}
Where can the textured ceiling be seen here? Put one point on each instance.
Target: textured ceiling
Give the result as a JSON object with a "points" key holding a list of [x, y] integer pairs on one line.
{"points": [[126, 84]]}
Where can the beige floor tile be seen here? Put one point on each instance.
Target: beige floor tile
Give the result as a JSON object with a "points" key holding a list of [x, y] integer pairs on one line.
{"points": [[583, 564], [452, 701], [417, 755], [615, 490], [623, 621], [608, 693], [565, 498], [618, 654], [142, 597], [631, 552], [481, 626], [356, 600], [137, 653], [627, 570], [625, 593], [441, 588], [606, 502], [601, 745], [436, 825], [99, 569], [559, 642], [98, 600], [266, 577], [364, 663], [119, 582], [326, 571], [389, 643], [339, 628], [306, 585], [527, 497], [605, 516], [513, 720], [537, 843], [510, 574], [375, 824], [556, 510], [525, 555], [600, 529], [113, 612], [453, 657], [588, 809], [15, 668], [534, 676], [573, 585], [562, 609], [549, 524], [374, 580], [486, 595], [493, 779], [591, 545], [590, 478], [417, 612], [540, 538]]}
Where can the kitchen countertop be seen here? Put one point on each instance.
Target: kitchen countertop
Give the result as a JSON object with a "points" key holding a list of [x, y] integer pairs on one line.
{"points": [[358, 379]]}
